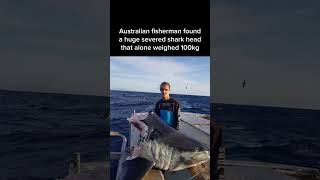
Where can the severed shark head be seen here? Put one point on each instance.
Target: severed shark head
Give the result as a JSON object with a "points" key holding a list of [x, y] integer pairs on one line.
{"points": [[162, 147]]}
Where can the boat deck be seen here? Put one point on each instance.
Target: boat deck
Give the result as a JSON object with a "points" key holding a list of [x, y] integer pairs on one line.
{"points": [[192, 125], [90, 171], [250, 170], [253, 173]]}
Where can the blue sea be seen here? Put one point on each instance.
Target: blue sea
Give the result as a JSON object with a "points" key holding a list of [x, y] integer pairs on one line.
{"points": [[123, 103], [270, 134], [256, 133], [39, 132]]}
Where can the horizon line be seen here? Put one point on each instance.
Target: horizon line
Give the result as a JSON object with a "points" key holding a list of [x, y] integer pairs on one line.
{"points": [[48, 92], [159, 92]]}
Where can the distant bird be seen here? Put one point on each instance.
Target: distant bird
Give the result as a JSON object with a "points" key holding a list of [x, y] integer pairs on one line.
{"points": [[244, 83]]}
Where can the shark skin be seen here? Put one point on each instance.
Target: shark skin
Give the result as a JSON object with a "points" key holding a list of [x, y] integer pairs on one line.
{"points": [[162, 147]]}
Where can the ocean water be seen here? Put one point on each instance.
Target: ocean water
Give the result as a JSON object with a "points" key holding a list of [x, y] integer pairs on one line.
{"points": [[39, 132], [256, 133], [123, 103], [270, 134]]}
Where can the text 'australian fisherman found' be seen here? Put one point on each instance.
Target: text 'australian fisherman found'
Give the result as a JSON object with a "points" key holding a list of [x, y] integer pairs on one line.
{"points": [[159, 31]]}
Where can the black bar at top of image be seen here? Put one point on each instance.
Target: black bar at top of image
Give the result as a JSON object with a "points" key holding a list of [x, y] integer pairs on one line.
{"points": [[164, 14]]}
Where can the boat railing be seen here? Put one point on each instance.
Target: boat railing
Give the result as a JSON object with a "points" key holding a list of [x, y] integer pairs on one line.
{"points": [[193, 126], [119, 155]]}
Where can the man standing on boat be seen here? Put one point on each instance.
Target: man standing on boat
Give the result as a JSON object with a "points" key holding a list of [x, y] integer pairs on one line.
{"points": [[168, 108]]}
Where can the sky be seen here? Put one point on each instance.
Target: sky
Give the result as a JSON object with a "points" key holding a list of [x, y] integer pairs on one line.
{"points": [[186, 75], [273, 45], [54, 46], [62, 47]]}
